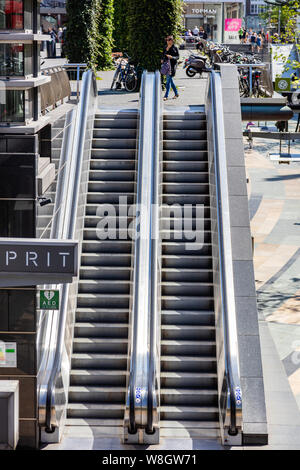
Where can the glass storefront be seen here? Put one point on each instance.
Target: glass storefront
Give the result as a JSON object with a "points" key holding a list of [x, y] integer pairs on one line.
{"points": [[11, 60], [211, 16], [11, 14]]}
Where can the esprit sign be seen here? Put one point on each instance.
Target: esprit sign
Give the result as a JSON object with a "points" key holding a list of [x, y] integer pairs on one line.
{"points": [[35, 256]]}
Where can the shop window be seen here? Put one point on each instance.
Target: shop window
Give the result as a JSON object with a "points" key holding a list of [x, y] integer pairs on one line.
{"points": [[11, 14], [11, 60], [12, 106]]}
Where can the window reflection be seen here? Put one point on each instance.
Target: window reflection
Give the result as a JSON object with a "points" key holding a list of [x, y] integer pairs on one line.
{"points": [[12, 106], [11, 14], [11, 60]]}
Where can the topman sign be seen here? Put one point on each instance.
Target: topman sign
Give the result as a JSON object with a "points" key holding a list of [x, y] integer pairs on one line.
{"points": [[34, 262]]}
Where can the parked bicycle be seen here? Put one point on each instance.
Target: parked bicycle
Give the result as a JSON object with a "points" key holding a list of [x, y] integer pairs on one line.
{"points": [[126, 74]]}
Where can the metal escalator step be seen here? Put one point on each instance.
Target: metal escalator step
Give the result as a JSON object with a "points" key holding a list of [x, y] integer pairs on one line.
{"points": [[183, 124], [106, 259], [180, 397], [191, 238], [187, 302], [184, 347], [110, 197], [184, 134], [89, 286], [188, 364], [117, 154], [189, 413], [198, 249], [187, 261], [102, 315], [98, 377], [109, 220], [109, 164], [111, 186], [170, 115], [117, 115], [191, 380], [184, 333], [110, 234], [185, 144], [114, 133], [114, 143], [186, 189], [188, 317], [187, 288], [103, 300], [187, 210], [105, 273], [96, 394], [101, 330], [112, 175], [190, 429], [95, 410], [190, 199], [114, 123], [97, 426], [179, 166], [119, 209], [185, 177], [185, 223], [100, 345], [93, 361], [107, 246], [186, 155]]}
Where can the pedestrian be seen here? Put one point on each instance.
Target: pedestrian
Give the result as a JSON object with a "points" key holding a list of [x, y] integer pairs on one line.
{"points": [[196, 31], [253, 40], [170, 56], [259, 42], [241, 33], [202, 33]]}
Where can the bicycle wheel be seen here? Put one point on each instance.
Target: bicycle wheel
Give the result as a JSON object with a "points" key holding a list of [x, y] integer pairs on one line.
{"points": [[131, 82]]}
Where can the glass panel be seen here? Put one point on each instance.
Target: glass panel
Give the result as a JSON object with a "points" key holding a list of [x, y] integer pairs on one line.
{"points": [[11, 60], [11, 14], [12, 106], [17, 219], [17, 176]]}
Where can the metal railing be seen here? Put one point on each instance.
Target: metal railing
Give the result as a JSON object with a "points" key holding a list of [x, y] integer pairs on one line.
{"points": [[141, 415], [229, 387], [55, 359]]}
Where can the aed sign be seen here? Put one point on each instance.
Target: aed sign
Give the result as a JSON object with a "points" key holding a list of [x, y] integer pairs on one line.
{"points": [[34, 257], [282, 84], [49, 299]]}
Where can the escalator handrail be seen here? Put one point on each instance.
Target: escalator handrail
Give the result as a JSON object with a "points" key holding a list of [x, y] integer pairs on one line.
{"points": [[153, 386], [89, 88], [225, 249]]}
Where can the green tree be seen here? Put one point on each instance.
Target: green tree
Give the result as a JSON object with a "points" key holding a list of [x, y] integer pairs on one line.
{"points": [[149, 22], [120, 34], [105, 29], [82, 40]]}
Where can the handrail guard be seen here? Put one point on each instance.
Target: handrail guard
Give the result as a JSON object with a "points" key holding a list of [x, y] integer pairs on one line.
{"points": [[72, 219], [141, 386], [231, 417]]}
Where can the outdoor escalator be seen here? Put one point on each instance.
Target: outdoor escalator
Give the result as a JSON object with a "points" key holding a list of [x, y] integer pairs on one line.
{"points": [[188, 394], [100, 346]]}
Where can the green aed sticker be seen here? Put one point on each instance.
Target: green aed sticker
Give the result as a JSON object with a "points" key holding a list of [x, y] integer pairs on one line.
{"points": [[282, 84], [49, 299]]}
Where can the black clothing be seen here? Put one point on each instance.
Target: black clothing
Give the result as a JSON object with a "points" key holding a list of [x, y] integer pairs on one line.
{"points": [[174, 52]]}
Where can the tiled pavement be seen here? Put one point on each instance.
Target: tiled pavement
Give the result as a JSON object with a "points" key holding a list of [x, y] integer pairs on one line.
{"points": [[274, 206]]}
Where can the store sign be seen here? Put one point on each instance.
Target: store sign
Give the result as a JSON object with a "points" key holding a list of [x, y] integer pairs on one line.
{"points": [[203, 11], [36, 256], [233, 24]]}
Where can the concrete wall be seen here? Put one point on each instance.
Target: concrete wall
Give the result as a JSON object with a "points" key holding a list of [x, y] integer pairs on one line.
{"points": [[254, 410]]}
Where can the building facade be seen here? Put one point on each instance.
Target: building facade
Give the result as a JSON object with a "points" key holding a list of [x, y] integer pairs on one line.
{"points": [[252, 17], [53, 14], [212, 15]]}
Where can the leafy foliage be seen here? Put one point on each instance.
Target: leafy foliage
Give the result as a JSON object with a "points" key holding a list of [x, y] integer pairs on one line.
{"points": [[105, 45], [149, 22], [82, 40], [120, 34]]}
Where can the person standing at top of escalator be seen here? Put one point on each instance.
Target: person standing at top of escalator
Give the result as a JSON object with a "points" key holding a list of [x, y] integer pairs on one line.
{"points": [[171, 55]]}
